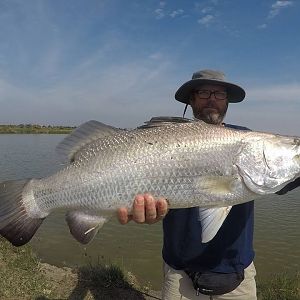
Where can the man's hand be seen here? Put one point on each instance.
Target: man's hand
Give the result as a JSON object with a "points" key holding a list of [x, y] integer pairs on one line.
{"points": [[145, 209]]}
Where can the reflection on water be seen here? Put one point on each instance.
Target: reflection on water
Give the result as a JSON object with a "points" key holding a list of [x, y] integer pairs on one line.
{"points": [[277, 234], [138, 247]]}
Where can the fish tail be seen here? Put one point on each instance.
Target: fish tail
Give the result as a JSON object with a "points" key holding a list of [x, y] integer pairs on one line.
{"points": [[15, 223]]}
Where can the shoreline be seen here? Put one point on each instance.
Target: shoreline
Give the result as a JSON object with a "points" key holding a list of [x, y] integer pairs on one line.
{"points": [[96, 282], [35, 129], [26, 277]]}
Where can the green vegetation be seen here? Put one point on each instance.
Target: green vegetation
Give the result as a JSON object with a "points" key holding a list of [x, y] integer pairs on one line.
{"points": [[23, 276], [35, 129], [108, 282], [281, 287], [20, 273]]}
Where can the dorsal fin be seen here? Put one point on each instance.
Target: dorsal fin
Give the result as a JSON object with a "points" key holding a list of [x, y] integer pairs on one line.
{"points": [[83, 135], [163, 121]]}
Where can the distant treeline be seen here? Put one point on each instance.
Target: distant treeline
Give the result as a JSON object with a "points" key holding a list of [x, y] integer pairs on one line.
{"points": [[35, 128]]}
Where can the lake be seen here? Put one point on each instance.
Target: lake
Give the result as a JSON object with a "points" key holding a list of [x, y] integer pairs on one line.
{"points": [[138, 247]]}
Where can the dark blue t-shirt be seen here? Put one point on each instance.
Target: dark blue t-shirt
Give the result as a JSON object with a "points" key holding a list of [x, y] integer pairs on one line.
{"points": [[231, 250]]}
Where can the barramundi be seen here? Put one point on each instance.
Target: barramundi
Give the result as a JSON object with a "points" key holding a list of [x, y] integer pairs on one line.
{"points": [[188, 162]]}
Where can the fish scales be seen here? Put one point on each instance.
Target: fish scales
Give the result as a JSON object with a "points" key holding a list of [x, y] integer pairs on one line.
{"points": [[164, 162], [188, 163]]}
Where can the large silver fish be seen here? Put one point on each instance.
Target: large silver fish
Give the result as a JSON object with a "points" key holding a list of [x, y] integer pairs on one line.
{"points": [[190, 163]]}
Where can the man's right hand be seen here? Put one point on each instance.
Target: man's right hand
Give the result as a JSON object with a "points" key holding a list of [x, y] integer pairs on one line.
{"points": [[145, 209]]}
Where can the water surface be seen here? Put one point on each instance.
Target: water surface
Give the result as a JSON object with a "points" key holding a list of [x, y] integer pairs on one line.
{"points": [[138, 247]]}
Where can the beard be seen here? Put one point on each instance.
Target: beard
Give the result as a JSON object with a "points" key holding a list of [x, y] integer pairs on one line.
{"points": [[210, 115]]}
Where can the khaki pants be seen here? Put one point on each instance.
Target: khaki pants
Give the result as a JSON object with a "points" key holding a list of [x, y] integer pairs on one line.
{"points": [[178, 286]]}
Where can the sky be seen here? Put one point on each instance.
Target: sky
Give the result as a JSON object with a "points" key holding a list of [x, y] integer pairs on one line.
{"points": [[64, 62]]}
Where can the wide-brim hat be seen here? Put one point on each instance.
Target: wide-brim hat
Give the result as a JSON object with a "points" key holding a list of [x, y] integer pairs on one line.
{"points": [[235, 93]]}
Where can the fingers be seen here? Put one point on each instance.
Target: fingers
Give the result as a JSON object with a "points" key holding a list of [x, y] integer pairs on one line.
{"points": [[148, 210], [162, 208], [145, 209], [138, 209], [123, 216]]}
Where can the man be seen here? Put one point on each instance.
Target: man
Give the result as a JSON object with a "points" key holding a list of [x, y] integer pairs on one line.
{"points": [[223, 267]]}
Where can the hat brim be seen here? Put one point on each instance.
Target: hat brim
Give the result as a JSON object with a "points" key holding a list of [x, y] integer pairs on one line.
{"points": [[234, 92]]}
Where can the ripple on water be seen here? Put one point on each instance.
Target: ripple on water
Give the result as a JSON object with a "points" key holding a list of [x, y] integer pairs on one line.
{"points": [[136, 247]]}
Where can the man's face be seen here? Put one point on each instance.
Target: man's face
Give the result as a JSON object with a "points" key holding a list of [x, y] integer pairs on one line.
{"points": [[211, 108]]}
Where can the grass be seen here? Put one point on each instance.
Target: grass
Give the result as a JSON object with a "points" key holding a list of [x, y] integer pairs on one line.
{"points": [[20, 273], [103, 281], [23, 276], [281, 287]]}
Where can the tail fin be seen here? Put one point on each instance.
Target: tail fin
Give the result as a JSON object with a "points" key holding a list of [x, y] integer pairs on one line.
{"points": [[15, 224]]}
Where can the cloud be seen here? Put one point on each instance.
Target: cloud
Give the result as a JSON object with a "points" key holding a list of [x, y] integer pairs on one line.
{"points": [[277, 7], [88, 94], [162, 3], [156, 56], [273, 108], [278, 120], [77, 71], [262, 26], [177, 12], [283, 94], [159, 13], [137, 86], [206, 20], [206, 10]]}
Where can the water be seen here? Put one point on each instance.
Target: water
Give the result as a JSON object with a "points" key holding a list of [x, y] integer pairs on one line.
{"points": [[138, 247]]}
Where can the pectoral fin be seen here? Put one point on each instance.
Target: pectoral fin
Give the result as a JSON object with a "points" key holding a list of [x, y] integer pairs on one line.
{"points": [[84, 226], [211, 220], [218, 185]]}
